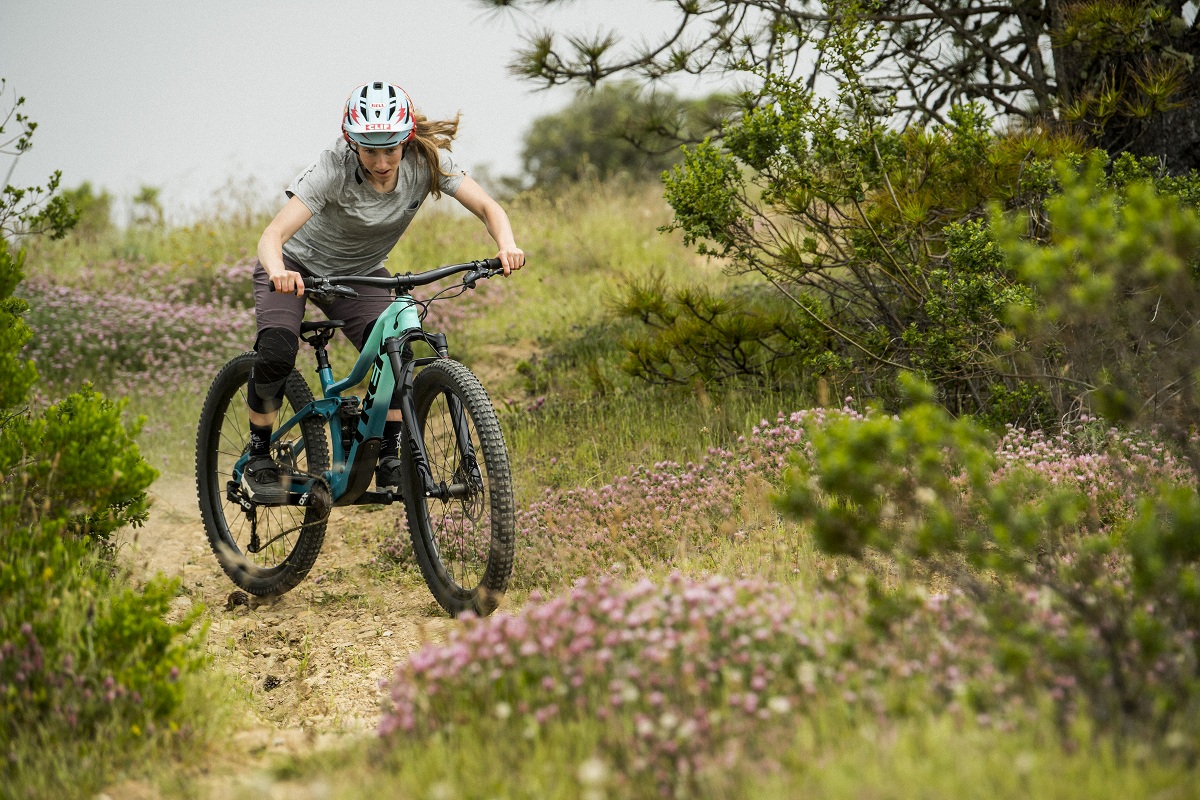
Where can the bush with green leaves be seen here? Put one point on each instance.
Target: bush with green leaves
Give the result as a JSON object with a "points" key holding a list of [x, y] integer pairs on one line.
{"points": [[1102, 612], [1118, 284], [84, 655], [870, 233], [691, 333]]}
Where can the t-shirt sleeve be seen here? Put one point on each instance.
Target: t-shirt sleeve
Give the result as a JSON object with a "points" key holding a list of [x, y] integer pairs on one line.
{"points": [[316, 184], [453, 174]]}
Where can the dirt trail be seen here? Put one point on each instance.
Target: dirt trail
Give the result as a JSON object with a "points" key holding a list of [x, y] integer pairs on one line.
{"points": [[313, 659], [324, 647]]}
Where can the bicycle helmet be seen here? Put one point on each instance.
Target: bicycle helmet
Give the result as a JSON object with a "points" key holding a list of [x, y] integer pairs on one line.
{"points": [[378, 115]]}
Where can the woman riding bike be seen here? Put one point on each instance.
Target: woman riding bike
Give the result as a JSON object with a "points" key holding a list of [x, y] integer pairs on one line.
{"points": [[343, 216]]}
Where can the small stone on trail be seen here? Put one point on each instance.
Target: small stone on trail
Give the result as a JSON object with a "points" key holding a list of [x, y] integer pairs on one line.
{"points": [[236, 598]]}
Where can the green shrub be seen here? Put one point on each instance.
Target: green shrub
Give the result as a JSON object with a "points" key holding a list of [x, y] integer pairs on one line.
{"points": [[80, 650], [75, 466], [16, 373], [1097, 612], [871, 233], [750, 333], [84, 655], [1118, 287]]}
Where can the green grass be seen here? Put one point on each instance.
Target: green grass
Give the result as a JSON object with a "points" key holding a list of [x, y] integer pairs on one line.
{"points": [[592, 441], [54, 767], [829, 755]]}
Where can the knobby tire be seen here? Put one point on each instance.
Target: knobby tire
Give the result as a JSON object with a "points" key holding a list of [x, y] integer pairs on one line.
{"points": [[222, 437], [463, 545]]}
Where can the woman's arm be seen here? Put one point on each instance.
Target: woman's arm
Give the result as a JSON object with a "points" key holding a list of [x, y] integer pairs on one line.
{"points": [[270, 246], [473, 198]]}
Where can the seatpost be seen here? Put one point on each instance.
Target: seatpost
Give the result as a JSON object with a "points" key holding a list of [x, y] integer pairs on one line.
{"points": [[322, 356]]}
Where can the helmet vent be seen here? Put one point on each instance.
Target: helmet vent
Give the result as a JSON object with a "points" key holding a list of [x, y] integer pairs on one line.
{"points": [[378, 85]]}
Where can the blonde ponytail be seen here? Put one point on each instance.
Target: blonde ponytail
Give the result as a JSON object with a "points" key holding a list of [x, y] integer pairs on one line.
{"points": [[429, 136]]}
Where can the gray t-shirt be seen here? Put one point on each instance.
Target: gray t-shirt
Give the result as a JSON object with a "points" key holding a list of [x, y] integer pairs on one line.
{"points": [[353, 226]]}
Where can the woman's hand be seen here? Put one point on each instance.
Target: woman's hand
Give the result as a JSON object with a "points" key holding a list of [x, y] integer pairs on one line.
{"points": [[287, 282], [511, 258]]}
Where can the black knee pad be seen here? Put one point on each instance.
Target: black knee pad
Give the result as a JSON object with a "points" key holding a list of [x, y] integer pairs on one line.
{"points": [[276, 350]]}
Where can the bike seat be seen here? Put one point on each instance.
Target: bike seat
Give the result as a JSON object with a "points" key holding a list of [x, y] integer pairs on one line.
{"points": [[330, 324]]}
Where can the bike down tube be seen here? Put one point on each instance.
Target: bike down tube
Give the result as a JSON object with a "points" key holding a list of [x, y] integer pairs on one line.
{"points": [[358, 464]]}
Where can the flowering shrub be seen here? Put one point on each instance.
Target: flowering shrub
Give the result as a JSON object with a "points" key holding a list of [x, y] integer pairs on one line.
{"points": [[227, 284], [1101, 607], [132, 343], [1113, 469], [80, 652], [640, 518], [158, 330], [676, 675]]}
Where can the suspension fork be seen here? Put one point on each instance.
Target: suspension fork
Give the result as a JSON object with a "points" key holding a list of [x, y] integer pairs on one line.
{"points": [[466, 452], [399, 353]]}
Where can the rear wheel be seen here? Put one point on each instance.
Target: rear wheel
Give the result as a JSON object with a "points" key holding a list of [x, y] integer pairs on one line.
{"points": [[270, 549], [463, 543]]}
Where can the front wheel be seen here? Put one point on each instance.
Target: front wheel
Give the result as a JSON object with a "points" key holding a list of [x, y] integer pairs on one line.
{"points": [[266, 550], [463, 543]]}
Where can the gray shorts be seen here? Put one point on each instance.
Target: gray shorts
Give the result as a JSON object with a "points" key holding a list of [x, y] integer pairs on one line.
{"points": [[276, 310]]}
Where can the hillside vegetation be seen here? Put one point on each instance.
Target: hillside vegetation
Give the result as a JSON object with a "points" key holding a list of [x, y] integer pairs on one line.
{"points": [[709, 599]]}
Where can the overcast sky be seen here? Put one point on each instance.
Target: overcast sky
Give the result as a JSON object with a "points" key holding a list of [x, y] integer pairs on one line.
{"points": [[190, 96]]}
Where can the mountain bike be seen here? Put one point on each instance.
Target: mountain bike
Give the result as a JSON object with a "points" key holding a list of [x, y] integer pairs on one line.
{"points": [[456, 485]]}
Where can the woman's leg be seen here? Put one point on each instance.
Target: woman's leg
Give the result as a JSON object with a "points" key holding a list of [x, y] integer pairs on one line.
{"points": [[278, 316]]}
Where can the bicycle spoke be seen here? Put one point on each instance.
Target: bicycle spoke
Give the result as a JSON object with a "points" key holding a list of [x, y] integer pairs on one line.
{"points": [[287, 539]]}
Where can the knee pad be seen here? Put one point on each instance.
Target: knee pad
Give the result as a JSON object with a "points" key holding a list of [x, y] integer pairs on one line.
{"points": [[276, 350]]}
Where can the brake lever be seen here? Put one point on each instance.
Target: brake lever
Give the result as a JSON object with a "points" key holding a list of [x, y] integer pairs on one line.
{"points": [[474, 275], [323, 290]]}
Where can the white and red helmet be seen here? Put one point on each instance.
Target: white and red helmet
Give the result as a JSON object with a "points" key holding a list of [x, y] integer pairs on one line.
{"points": [[378, 115]]}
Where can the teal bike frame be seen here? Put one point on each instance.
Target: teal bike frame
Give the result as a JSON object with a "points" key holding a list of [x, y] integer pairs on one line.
{"points": [[386, 357]]}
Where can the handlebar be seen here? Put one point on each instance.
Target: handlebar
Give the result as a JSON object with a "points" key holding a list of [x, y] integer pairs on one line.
{"points": [[339, 285]]}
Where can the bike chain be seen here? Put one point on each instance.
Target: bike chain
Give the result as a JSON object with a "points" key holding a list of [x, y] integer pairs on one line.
{"points": [[320, 499]]}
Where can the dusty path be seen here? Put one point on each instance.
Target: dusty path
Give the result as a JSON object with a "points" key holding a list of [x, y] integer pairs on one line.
{"points": [[312, 660]]}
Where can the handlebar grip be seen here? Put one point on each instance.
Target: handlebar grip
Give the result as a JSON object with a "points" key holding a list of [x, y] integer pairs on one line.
{"points": [[271, 284]]}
